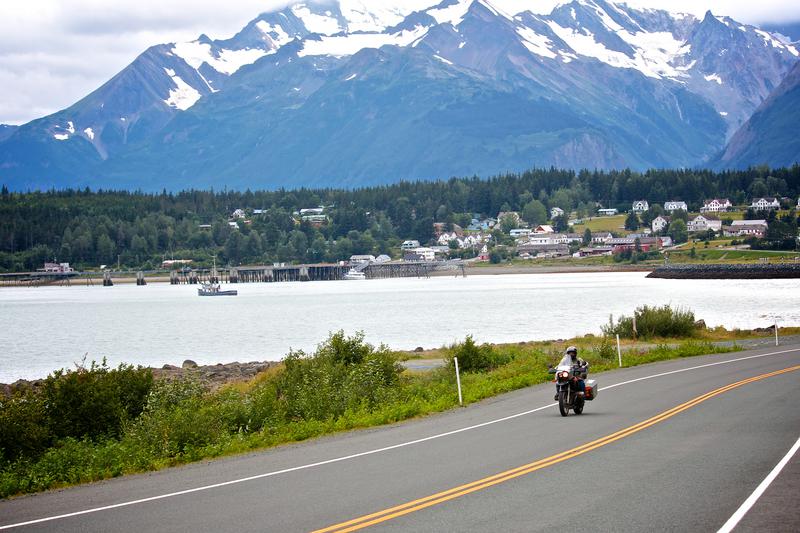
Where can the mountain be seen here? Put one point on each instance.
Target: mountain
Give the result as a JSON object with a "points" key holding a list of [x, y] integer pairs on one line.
{"points": [[350, 93], [6, 131], [770, 136]]}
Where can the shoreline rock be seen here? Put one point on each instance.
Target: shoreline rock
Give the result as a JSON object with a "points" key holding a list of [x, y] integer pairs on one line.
{"points": [[213, 376], [728, 271]]}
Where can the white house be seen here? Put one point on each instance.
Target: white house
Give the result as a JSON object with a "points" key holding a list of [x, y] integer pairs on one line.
{"points": [[765, 204], [238, 213], [716, 205], [426, 254], [640, 206], [602, 237], [659, 223], [409, 245], [312, 211], [704, 223], [544, 228], [741, 228], [556, 212], [540, 239], [445, 238], [233, 225], [354, 259], [607, 212], [520, 232], [675, 206]]}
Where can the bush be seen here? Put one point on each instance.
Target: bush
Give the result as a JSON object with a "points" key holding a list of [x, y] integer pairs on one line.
{"points": [[474, 358], [82, 403], [344, 373], [654, 322], [24, 430], [96, 401]]}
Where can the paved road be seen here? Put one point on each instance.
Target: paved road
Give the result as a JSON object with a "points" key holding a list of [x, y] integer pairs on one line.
{"points": [[687, 472]]}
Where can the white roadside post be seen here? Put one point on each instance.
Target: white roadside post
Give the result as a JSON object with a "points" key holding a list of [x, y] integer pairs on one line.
{"points": [[458, 382], [776, 332], [619, 352]]}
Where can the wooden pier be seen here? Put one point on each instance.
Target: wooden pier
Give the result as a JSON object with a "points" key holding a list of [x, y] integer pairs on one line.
{"points": [[317, 272]]}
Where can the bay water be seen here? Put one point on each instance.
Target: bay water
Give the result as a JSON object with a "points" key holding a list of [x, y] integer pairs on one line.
{"points": [[46, 328]]}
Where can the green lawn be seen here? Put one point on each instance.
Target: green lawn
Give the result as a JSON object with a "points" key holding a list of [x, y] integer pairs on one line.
{"points": [[599, 224]]}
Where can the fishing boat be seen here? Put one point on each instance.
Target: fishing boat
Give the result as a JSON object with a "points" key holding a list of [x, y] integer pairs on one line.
{"points": [[354, 274], [213, 289]]}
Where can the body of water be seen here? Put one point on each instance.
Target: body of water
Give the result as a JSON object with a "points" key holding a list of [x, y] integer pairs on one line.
{"points": [[46, 328]]}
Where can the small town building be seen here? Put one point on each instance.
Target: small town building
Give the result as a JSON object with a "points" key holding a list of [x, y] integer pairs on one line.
{"points": [[57, 267], [660, 223], [409, 245], [169, 263], [311, 211], [543, 250], [556, 212], [716, 205], [765, 204], [233, 225], [520, 232], [640, 206], [356, 259], [704, 223], [544, 228], [602, 237], [746, 228], [238, 214], [594, 251], [675, 206], [445, 239], [607, 212], [423, 253]]}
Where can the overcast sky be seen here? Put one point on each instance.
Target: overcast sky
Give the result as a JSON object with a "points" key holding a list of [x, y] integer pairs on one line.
{"points": [[53, 52]]}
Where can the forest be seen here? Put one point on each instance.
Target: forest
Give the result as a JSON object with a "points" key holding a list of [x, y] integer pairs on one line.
{"points": [[139, 230]]}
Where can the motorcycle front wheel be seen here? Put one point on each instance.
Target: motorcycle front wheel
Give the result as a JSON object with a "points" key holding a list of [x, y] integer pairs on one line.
{"points": [[563, 402]]}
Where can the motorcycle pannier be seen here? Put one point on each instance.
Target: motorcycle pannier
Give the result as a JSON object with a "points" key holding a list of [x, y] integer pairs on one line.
{"points": [[591, 389]]}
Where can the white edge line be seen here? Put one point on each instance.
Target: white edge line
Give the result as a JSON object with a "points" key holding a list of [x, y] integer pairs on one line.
{"points": [[734, 520], [369, 452]]}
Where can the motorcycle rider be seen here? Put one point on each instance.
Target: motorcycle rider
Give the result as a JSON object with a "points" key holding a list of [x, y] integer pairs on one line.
{"points": [[571, 359]]}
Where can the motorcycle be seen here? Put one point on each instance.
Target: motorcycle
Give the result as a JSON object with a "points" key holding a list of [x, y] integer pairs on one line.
{"points": [[567, 393]]}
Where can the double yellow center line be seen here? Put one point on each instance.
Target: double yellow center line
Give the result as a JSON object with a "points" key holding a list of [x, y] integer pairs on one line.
{"points": [[456, 492]]}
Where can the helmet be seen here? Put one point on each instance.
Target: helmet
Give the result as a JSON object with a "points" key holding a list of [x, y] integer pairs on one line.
{"points": [[572, 350]]}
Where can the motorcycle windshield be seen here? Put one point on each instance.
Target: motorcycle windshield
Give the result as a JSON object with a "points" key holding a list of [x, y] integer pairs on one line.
{"points": [[565, 364]]}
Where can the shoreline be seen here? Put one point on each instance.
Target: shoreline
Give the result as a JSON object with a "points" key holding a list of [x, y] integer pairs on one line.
{"points": [[487, 270]]}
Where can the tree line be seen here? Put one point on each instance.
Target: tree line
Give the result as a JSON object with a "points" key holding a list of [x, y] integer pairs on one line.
{"points": [[138, 229]]}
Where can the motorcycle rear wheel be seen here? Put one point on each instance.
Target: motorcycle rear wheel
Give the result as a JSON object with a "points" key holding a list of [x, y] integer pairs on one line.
{"points": [[563, 402]]}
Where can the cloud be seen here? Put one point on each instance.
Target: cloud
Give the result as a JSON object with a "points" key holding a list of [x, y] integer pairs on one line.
{"points": [[54, 52]]}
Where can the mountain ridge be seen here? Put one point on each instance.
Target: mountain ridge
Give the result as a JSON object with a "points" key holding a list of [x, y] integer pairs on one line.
{"points": [[638, 88]]}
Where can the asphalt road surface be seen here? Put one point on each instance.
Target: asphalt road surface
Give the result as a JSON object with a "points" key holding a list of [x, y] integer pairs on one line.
{"points": [[655, 451]]}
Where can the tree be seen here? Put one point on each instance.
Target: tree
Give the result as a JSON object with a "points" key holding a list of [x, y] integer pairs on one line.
{"points": [[560, 223], [677, 230], [587, 237], [534, 213], [509, 222], [105, 249], [632, 222]]}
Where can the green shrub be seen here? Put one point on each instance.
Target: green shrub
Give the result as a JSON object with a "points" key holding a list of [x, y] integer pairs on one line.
{"points": [[344, 373], [474, 358], [96, 401], [653, 322], [24, 426]]}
